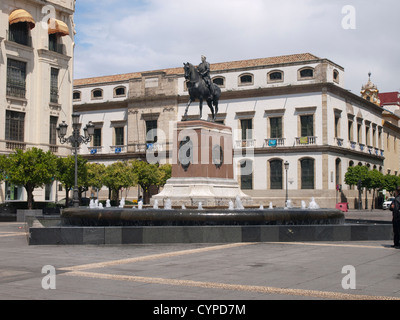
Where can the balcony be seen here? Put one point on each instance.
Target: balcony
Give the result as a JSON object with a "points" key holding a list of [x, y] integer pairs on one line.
{"points": [[148, 147], [13, 145], [243, 144], [118, 149], [16, 90], [306, 141], [95, 150], [275, 142]]}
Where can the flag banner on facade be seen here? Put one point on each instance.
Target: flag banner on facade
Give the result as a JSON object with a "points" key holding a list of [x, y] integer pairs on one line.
{"points": [[304, 140], [273, 143]]}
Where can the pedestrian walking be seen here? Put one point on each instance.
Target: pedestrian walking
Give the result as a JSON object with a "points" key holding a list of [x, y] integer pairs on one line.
{"points": [[395, 208]]}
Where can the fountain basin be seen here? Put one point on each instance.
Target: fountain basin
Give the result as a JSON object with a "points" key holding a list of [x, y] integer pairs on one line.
{"points": [[110, 217]]}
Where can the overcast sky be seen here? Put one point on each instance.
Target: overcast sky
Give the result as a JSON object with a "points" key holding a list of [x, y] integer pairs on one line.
{"points": [[123, 36]]}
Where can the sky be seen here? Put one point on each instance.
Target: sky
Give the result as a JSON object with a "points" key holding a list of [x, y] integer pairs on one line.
{"points": [[124, 36]]}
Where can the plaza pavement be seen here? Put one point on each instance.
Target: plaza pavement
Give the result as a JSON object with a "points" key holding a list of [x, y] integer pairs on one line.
{"points": [[242, 271]]}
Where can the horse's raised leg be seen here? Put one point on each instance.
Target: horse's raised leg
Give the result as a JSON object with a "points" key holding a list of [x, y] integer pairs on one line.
{"points": [[187, 108]]}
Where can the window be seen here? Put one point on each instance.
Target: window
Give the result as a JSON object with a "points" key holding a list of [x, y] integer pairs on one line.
{"points": [[307, 126], [15, 126], [77, 95], [97, 137], [53, 131], [276, 175], [120, 92], [306, 73], [246, 79], [97, 94], [367, 136], [151, 131], [307, 174], [359, 133], [13, 192], [119, 136], [247, 129], [275, 128], [219, 81], [19, 33], [54, 44], [16, 78], [246, 175], [275, 76], [54, 85], [350, 133], [337, 126], [336, 76]]}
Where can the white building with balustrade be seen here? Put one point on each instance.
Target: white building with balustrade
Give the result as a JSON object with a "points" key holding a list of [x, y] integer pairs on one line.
{"points": [[291, 109]]}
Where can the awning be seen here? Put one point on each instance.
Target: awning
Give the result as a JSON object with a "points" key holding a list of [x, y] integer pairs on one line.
{"points": [[57, 26], [21, 15]]}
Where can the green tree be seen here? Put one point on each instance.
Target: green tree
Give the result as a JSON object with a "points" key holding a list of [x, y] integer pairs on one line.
{"points": [[31, 169], [355, 174], [391, 182], [117, 176], [66, 174], [95, 175], [375, 182], [165, 172], [147, 175]]}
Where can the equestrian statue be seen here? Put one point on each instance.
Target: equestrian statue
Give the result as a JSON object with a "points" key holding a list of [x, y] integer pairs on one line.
{"points": [[201, 87]]}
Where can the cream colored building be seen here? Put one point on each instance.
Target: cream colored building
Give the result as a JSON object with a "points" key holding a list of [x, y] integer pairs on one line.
{"points": [[36, 68], [293, 109]]}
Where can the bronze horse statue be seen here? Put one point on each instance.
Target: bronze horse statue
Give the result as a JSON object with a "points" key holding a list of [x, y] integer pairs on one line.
{"points": [[198, 89]]}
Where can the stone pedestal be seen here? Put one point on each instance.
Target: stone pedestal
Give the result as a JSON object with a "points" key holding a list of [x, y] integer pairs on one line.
{"points": [[202, 169]]}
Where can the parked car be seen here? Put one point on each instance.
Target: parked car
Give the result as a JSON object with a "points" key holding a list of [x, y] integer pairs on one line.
{"points": [[387, 203]]}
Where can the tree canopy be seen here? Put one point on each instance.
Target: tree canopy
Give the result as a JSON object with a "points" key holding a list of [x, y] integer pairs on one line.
{"points": [[31, 169]]}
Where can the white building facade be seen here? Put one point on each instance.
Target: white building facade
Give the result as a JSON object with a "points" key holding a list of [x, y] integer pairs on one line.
{"points": [[289, 109], [36, 55]]}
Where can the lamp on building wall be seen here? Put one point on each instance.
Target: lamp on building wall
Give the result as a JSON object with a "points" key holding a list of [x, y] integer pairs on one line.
{"points": [[286, 164], [75, 140]]}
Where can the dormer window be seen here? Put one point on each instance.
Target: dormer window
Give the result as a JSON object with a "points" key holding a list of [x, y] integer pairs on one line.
{"points": [[246, 80], [77, 96], [97, 94], [219, 81], [120, 92], [275, 76], [306, 73]]}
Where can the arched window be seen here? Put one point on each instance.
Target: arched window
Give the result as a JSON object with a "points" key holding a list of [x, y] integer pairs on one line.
{"points": [[120, 92], [336, 76], [97, 94], [246, 175], [276, 174], [219, 81], [307, 174], [77, 95], [306, 73], [246, 79], [275, 76]]}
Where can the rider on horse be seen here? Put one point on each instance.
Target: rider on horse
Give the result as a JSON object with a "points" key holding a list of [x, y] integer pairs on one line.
{"points": [[204, 70]]}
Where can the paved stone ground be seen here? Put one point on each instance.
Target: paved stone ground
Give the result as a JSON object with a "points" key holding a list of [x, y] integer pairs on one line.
{"points": [[263, 271]]}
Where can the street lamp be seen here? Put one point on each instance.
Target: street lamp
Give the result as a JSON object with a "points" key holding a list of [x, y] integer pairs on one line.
{"points": [[75, 141], [286, 164]]}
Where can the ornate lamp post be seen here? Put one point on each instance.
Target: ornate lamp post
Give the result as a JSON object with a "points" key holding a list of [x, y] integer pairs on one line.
{"points": [[76, 140], [286, 164]]}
